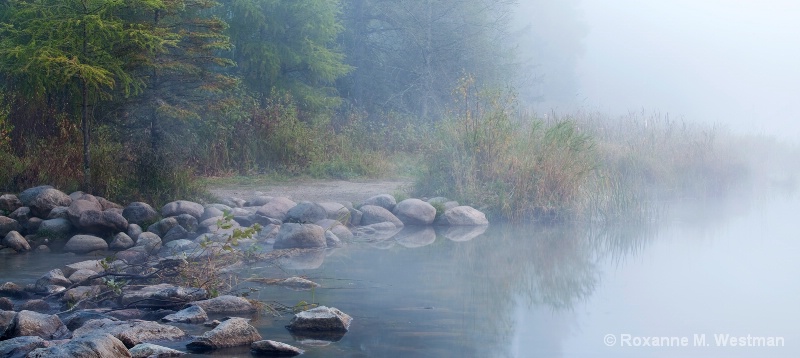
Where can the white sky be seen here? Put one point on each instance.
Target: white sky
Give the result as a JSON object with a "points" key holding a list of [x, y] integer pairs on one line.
{"points": [[733, 62]]}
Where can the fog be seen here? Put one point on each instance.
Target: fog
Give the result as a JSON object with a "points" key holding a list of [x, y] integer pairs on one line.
{"points": [[733, 63]]}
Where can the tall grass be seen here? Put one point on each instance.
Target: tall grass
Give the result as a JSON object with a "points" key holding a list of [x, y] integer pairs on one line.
{"points": [[520, 166]]}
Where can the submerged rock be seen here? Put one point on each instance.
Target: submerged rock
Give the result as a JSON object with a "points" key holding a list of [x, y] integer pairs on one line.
{"points": [[226, 304], [320, 319], [232, 332], [130, 332], [191, 314], [274, 349]]}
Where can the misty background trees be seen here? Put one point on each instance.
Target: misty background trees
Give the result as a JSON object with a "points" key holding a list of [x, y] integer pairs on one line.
{"points": [[161, 89]]}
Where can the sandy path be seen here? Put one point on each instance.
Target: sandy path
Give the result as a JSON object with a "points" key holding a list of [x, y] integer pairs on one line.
{"points": [[316, 190]]}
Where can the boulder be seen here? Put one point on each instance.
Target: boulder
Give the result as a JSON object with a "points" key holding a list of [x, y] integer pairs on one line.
{"points": [[6, 323], [191, 314], [15, 241], [81, 244], [29, 323], [92, 346], [415, 212], [107, 205], [134, 230], [355, 216], [45, 200], [19, 347], [386, 201], [463, 216], [274, 349], [163, 226], [277, 208], [149, 241], [8, 225], [302, 236], [37, 305], [148, 350], [88, 215], [372, 214], [32, 225], [6, 305], [331, 240], [188, 222], [82, 275], [27, 195], [140, 213], [130, 332], [211, 212], [258, 200], [76, 319], [336, 227], [52, 277], [121, 241], [232, 332], [59, 212], [94, 265], [337, 212], [161, 295], [55, 228], [9, 203], [76, 294], [320, 319], [176, 233], [305, 212], [179, 207], [21, 215], [226, 304]]}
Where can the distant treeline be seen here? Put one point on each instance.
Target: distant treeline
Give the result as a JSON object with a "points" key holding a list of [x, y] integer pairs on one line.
{"points": [[131, 97]]}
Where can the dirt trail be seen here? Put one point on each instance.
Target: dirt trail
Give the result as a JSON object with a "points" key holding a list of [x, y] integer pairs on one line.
{"points": [[316, 190]]}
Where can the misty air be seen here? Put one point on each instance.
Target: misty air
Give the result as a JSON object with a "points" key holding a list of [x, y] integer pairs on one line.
{"points": [[385, 178]]}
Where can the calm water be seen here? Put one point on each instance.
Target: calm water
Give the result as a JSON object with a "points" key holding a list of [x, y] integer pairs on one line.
{"points": [[701, 272]]}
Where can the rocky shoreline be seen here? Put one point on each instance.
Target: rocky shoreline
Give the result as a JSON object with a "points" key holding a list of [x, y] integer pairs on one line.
{"points": [[112, 307]]}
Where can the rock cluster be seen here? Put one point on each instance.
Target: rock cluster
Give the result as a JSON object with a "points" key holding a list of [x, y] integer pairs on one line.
{"points": [[297, 235]]}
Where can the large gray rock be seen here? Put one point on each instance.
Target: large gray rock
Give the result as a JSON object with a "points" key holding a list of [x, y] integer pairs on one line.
{"points": [[134, 230], [148, 350], [232, 332], [19, 347], [149, 241], [191, 314], [99, 345], [188, 222], [36, 305], [306, 212], [32, 225], [415, 212], [121, 241], [8, 225], [27, 195], [94, 265], [29, 323], [226, 304], [55, 228], [320, 319], [303, 236], [386, 201], [140, 213], [21, 215], [45, 200], [179, 207], [130, 332], [82, 275], [163, 295], [58, 212], [52, 277], [211, 212], [88, 215], [7, 323], [9, 203], [277, 208], [79, 293], [274, 349], [163, 226], [355, 216], [463, 215], [76, 319], [372, 214], [176, 233], [16, 241], [336, 211], [81, 244], [336, 227], [258, 200]]}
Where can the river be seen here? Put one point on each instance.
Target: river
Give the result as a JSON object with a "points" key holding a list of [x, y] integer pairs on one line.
{"points": [[704, 279]]}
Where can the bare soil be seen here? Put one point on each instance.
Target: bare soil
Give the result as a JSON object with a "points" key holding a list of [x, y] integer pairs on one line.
{"points": [[315, 190]]}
